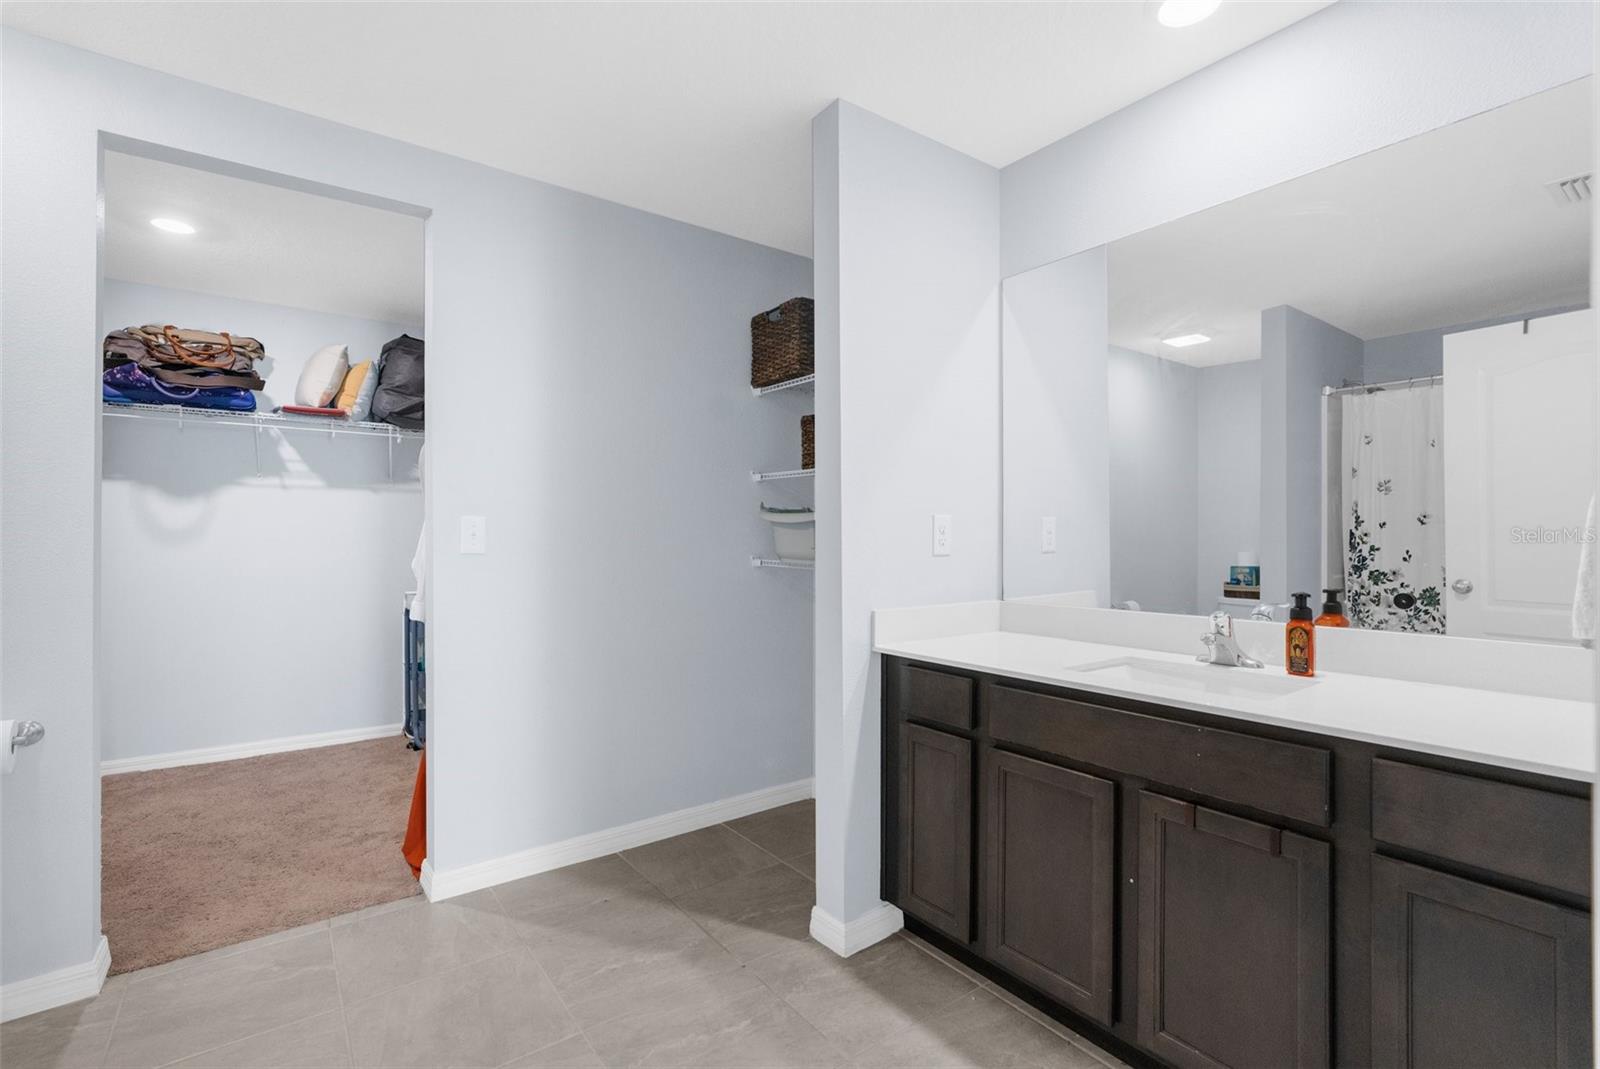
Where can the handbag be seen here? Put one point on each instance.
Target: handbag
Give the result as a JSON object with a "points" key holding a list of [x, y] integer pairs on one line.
{"points": [[173, 355], [131, 384]]}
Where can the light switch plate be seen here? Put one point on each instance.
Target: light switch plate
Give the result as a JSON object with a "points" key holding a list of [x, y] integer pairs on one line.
{"points": [[941, 535], [474, 534], [1047, 541]]}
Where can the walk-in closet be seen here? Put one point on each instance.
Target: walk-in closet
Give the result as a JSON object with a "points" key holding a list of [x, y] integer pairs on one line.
{"points": [[262, 638]]}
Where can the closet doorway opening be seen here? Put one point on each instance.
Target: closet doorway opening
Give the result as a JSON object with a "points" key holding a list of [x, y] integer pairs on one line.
{"points": [[261, 657]]}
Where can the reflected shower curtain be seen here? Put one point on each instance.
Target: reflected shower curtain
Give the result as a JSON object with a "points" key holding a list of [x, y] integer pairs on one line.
{"points": [[1392, 451]]}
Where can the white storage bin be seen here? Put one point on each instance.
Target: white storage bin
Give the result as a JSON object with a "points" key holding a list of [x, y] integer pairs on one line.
{"points": [[794, 534]]}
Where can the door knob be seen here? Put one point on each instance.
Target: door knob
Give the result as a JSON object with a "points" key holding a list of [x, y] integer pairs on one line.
{"points": [[1462, 586]]}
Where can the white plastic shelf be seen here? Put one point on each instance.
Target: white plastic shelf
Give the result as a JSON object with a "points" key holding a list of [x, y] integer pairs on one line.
{"points": [[769, 476], [776, 562], [804, 382]]}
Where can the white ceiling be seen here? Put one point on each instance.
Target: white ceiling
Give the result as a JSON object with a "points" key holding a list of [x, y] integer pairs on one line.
{"points": [[260, 242], [1450, 227], [697, 111]]}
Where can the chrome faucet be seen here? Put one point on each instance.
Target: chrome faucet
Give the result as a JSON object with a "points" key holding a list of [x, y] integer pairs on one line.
{"points": [[1221, 648]]}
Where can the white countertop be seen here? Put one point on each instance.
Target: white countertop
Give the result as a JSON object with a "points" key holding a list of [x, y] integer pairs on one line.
{"points": [[1552, 736]]}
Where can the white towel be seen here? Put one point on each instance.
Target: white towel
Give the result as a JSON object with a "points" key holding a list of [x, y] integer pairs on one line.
{"points": [[1583, 600]]}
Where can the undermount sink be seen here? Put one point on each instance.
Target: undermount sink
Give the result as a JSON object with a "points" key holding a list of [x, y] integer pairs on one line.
{"points": [[1201, 678]]}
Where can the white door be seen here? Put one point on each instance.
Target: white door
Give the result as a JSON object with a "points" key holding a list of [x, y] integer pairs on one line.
{"points": [[1519, 469]]}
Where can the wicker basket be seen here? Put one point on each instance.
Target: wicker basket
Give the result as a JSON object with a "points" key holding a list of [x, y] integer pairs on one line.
{"points": [[781, 346], [808, 442]]}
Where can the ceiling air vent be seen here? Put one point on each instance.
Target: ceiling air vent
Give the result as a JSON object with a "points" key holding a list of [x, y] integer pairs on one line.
{"points": [[1575, 190]]}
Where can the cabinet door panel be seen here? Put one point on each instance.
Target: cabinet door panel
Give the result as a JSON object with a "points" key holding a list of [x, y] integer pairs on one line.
{"points": [[936, 829], [1467, 975], [1233, 936], [1050, 878]]}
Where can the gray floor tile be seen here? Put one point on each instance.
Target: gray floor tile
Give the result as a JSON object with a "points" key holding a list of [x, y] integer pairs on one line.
{"points": [[1042, 1018], [166, 968], [945, 959], [978, 1031], [604, 955], [785, 832], [319, 1043], [576, 885], [755, 914], [856, 1001], [67, 1037], [699, 859], [191, 1010], [484, 1014], [571, 1053], [731, 1020], [397, 947], [805, 864], [414, 902]]}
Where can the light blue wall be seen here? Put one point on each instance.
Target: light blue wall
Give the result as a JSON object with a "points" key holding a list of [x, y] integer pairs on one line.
{"points": [[1154, 484], [1300, 354], [588, 392], [1228, 474], [320, 524]]}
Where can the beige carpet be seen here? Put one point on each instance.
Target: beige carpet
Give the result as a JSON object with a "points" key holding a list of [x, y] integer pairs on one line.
{"points": [[201, 857]]}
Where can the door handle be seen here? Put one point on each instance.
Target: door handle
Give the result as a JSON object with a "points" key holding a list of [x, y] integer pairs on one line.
{"points": [[1462, 586]]}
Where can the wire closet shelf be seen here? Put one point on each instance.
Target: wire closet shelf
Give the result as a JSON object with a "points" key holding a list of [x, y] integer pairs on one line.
{"points": [[180, 416]]}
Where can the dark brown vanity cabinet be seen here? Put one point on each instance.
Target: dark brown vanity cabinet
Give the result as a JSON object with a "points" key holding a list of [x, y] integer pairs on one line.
{"points": [[935, 829], [1201, 892], [1049, 854], [1234, 922], [1467, 975]]}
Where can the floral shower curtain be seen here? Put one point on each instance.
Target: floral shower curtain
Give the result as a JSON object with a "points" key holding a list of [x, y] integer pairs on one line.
{"points": [[1393, 496]]}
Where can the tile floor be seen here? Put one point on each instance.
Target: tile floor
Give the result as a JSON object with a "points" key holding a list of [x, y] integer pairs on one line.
{"points": [[687, 952]]}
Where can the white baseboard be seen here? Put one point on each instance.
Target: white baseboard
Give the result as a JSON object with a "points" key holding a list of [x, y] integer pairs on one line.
{"points": [[246, 749], [425, 878], [72, 984], [874, 926], [439, 885]]}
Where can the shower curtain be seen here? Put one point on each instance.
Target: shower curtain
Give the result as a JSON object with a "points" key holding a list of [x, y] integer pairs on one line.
{"points": [[1392, 491]]}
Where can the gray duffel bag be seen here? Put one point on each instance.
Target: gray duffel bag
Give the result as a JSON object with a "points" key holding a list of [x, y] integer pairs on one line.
{"points": [[398, 399]]}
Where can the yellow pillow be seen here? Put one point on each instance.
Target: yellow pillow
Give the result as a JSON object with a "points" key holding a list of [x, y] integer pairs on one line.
{"points": [[352, 386]]}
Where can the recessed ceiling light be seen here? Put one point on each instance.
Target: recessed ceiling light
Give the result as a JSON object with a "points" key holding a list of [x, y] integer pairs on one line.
{"points": [[1183, 341], [1180, 13], [172, 226]]}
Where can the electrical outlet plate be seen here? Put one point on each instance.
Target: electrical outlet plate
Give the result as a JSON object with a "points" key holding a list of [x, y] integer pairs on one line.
{"points": [[1048, 535], [474, 534], [941, 535]]}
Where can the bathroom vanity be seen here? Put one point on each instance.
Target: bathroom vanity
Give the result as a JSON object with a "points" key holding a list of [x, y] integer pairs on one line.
{"points": [[1211, 886]]}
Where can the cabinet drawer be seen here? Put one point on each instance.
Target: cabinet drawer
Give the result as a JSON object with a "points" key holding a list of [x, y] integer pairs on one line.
{"points": [[1274, 777], [1521, 832], [937, 697]]}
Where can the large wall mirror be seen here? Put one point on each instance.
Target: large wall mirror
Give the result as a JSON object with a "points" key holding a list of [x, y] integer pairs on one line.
{"points": [[1377, 379]]}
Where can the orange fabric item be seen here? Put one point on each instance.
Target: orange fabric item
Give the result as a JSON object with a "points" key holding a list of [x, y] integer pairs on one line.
{"points": [[415, 847]]}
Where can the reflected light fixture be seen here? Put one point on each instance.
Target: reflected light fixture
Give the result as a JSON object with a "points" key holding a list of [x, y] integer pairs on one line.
{"points": [[172, 226], [1179, 13], [1183, 341]]}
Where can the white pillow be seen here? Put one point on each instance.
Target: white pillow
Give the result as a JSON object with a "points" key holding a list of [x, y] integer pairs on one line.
{"points": [[322, 376]]}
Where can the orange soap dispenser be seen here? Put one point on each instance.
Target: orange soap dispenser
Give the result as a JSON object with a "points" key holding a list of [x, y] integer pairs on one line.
{"points": [[1332, 612], [1299, 639]]}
